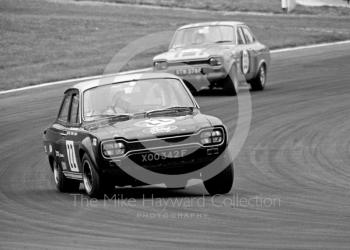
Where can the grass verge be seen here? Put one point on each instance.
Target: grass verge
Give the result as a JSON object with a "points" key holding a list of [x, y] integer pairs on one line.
{"points": [[46, 41], [270, 6]]}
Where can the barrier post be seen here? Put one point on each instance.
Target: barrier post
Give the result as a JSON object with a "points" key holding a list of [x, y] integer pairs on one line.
{"points": [[288, 5], [284, 6]]}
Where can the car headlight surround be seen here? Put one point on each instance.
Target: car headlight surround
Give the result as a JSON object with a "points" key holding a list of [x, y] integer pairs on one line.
{"points": [[215, 61], [160, 65], [113, 149], [212, 137]]}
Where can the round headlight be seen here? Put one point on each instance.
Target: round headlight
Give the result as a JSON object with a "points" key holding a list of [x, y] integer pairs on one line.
{"points": [[206, 138], [215, 61], [161, 65], [216, 136]]}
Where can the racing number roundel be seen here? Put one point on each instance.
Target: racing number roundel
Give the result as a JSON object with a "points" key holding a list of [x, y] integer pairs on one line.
{"points": [[245, 61]]}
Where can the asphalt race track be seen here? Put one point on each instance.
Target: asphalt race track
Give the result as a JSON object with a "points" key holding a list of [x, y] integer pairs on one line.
{"points": [[294, 169]]}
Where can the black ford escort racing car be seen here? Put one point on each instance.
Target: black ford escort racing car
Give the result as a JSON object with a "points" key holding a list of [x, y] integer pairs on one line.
{"points": [[135, 129]]}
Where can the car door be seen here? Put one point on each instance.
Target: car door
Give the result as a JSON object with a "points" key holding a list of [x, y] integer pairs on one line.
{"points": [[59, 131], [254, 48], [73, 137], [248, 56]]}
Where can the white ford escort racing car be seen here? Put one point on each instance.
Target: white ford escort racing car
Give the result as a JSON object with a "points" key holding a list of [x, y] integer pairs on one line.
{"points": [[216, 54]]}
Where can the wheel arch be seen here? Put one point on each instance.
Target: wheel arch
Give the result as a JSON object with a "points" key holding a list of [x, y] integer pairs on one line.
{"points": [[86, 147], [81, 154], [261, 63]]}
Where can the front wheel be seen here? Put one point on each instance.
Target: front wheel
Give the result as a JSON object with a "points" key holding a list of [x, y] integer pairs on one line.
{"points": [[221, 183], [259, 82], [63, 184], [230, 82], [94, 185], [229, 86]]}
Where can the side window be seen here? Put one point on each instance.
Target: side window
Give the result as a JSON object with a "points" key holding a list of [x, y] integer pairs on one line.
{"points": [[63, 114], [240, 36], [248, 35], [74, 113]]}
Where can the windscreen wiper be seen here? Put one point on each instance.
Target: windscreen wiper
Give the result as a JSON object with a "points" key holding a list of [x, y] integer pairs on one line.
{"points": [[224, 41], [169, 109], [125, 116]]}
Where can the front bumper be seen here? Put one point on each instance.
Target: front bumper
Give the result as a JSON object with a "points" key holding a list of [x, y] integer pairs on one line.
{"points": [[167, 155], [174, 161]]}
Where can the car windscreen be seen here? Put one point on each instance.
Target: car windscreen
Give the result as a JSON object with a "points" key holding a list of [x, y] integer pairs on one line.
{"points": [[203, 35], [134, 97]]}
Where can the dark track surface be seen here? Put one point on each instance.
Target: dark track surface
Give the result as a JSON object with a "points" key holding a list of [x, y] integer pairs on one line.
{"points": [[297, 152]]}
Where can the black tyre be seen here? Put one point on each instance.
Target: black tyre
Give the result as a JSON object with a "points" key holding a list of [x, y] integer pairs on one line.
{"points": [[221, 183], [259, 82], [63, 184], [192, 89], [230, 84], [94, 185]]}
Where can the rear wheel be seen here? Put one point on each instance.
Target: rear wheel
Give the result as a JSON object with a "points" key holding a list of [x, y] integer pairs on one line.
{"points": [[259, 82], [63, 184], [221, 183]]}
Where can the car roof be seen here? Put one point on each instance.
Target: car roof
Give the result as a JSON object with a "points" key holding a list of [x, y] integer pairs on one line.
{"points": [[117, 78], [231, 23]]}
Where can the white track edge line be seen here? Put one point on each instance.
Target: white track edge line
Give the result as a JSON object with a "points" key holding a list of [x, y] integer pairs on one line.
{"points": [[71, 80], [148, 69], [309, 46]]}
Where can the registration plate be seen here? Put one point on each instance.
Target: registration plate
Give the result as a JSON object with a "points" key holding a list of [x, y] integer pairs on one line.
{"points": [[188, 71], [164, 155]]}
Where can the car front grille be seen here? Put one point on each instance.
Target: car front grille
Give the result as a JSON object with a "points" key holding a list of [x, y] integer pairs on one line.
{"points": [[185, 63], [162, 142]]}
